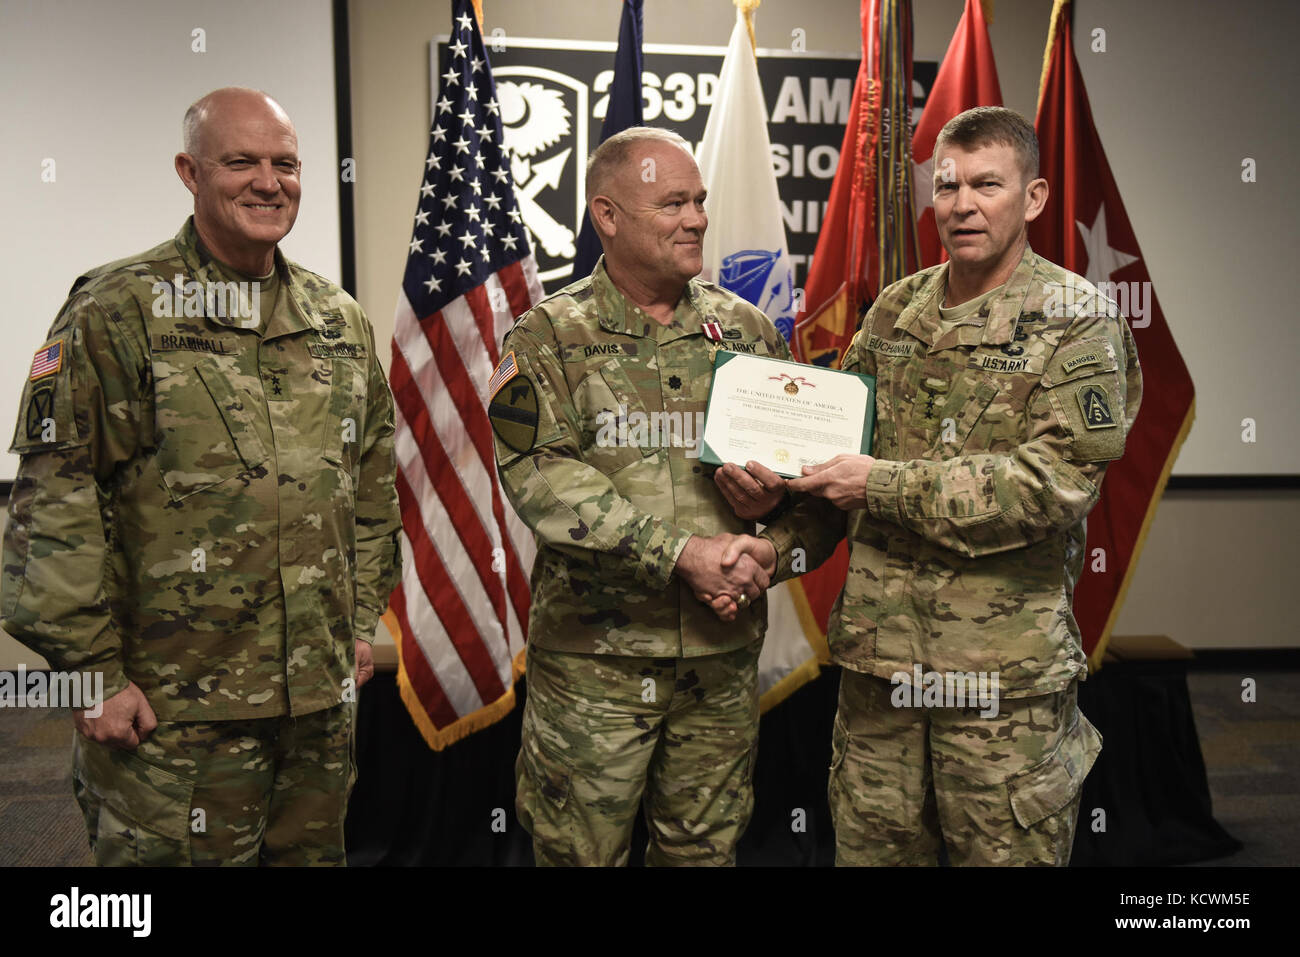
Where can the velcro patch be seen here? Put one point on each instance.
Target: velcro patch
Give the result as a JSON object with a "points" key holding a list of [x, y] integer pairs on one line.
{"points": [[170, 342], [513, 412], [1095, 405], [48, 360], [40, 409], [887, 347], [1078, 362], [506, 370], [337, 350], [1001, 363]]}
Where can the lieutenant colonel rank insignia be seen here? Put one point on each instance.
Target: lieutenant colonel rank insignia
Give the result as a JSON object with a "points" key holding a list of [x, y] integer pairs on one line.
{"points": [[1096, 409], [512, 408]]}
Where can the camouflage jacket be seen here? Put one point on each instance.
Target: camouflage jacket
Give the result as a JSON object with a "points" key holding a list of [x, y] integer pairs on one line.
{"points": [[598, 413], [205, 509], [991, 444]]}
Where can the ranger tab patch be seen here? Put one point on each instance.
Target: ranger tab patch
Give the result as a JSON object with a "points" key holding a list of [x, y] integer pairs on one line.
{"points": [[1095, 407]]}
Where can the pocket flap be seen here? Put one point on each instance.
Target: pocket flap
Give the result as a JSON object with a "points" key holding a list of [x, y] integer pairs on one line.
{"points": [[1042, 790], [137, 790], [548, 776]]}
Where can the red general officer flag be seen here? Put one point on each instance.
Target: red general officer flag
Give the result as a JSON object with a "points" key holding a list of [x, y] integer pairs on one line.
{"points": [[967, 78], [1085, 229]]}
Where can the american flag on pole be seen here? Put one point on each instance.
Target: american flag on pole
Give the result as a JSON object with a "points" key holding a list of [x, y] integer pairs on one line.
{"points": [[458, 617]]}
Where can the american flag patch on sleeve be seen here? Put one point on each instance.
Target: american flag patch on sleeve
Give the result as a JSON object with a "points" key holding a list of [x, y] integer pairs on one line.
{"points": [[47, 360], [507, 369]]}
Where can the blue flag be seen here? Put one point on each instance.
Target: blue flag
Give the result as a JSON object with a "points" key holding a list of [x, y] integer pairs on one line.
{"points": [[624, 111]]}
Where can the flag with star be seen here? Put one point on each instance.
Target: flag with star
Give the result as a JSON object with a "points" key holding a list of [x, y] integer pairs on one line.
{"points": [[1085, 229], [967, 78], [459, 615]]}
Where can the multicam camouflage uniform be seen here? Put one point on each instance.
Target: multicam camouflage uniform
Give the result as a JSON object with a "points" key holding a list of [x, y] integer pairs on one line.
{"points": [[631, 679], [992, 437], [205, 507]]}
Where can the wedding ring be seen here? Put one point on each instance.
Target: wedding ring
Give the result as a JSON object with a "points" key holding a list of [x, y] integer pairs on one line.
{"points": [[742, 601]]}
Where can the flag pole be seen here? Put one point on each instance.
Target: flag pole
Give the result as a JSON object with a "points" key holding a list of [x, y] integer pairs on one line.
{"points": [[1058, 8]]}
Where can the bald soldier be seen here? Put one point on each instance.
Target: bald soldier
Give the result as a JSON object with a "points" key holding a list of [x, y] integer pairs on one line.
{"points": [[1005, 387], [205, 515], [636, 690]]}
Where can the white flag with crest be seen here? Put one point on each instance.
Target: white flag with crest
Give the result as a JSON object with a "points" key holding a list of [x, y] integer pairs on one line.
{"points": [[745, 252]]}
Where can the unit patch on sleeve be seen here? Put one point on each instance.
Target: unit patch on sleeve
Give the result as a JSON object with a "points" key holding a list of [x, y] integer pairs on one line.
{"points": [[40, 410], [512, 408], [1095, 407]]}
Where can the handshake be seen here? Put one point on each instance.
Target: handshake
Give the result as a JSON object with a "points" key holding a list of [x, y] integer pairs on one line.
{"points": [[727, 572]]}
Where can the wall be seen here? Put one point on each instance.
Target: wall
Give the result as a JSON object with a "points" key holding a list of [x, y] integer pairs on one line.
{"points": [[1211, 575], [98, 90]]}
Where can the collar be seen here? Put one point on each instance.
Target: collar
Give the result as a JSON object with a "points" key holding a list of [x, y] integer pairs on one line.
{"points": [[201, 266], [617, 315], [1003, 310]]}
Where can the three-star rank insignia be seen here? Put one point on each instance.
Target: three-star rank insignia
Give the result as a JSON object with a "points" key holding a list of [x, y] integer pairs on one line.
{"points": [[1095, 407], [512, 407]]}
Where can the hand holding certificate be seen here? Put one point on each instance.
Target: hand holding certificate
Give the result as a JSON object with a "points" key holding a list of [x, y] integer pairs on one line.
{"points": [[785, 415]]}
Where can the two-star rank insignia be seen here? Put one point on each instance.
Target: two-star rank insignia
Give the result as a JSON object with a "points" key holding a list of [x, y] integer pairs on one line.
{"points": [[1095, 407]]}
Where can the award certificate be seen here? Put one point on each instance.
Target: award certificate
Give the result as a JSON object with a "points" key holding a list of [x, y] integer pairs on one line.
{"points": [[785, 414]]}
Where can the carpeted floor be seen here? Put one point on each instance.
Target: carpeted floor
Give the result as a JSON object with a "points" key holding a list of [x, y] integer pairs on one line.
{"points": [[1252, 759], [1251, 749], [40, 822]]}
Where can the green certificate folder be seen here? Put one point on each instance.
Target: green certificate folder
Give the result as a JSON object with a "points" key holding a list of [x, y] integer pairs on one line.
{"points": [[785, 414]]}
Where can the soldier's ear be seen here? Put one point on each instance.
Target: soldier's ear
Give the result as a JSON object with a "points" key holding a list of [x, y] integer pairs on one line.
{"points": [[1035, 198], [601, 210], [187, 168]]}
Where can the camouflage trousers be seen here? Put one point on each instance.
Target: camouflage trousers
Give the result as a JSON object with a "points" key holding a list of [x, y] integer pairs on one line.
{"points": [[997, 790], [599, 731], [271, 791]]}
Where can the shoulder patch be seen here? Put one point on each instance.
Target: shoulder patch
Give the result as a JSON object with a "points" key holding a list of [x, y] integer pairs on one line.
{"points": [[40, 410], [513, 412], [48, 360], [1095, 406], [506, 370]]}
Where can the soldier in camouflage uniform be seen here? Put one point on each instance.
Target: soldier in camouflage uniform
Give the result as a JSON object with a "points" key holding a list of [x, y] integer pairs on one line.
{"points": [[635, 687], [1005, 385], [205, 513]]}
